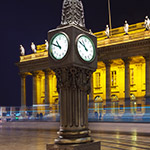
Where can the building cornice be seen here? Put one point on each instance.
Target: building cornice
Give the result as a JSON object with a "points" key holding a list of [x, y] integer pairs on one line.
{"points": [[33, 65], [136, 48]]}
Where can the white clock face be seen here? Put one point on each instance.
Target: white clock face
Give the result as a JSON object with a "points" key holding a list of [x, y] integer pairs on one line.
{"points": [[58, 46], [86, 48]]}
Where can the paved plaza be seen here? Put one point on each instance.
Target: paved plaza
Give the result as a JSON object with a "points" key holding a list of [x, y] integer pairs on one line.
{"points": [[35, 135]]}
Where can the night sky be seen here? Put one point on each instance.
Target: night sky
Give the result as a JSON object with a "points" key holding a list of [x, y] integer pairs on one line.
{"points": [[24, 21]]}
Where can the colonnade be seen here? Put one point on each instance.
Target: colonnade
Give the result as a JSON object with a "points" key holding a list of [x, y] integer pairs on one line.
{"points": [[127, 83], [48, 92], [36, 86]]}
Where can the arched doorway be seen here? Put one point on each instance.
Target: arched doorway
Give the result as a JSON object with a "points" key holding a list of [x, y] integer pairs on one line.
{"points": [[98, 104], [115, 104]]}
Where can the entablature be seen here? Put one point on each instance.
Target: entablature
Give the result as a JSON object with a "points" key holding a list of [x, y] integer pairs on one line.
{"points": [[33, 65], [130, 49], [118, 46], [34, 56]]}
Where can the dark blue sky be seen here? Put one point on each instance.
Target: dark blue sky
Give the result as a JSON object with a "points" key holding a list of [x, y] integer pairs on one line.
{"points": [[24, 21]]}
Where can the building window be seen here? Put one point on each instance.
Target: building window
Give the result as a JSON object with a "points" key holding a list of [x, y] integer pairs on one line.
{"points": [[132, 97], [98, 99], [131, 76], [104, 107], [114, 104], [133, 107], [99, 105], [139, 106], [114, 108], [97, 80], [121, 107], [113, 78], [114, 98]]}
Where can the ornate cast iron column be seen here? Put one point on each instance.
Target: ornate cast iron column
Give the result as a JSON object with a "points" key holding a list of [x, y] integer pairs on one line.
{"points": [[73, 58], [73, 85]]}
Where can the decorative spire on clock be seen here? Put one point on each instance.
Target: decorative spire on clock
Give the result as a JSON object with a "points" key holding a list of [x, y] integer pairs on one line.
{"points": [[73, 13]]}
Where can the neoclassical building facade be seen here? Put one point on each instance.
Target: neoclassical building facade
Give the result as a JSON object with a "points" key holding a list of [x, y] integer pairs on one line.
{"points": [[122, 79]]}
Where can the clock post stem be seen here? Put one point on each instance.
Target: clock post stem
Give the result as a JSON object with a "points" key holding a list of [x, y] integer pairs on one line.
{"points": [[73, 85]]}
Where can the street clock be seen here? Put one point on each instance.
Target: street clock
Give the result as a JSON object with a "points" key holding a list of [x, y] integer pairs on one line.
{"points": [[72, 46]]}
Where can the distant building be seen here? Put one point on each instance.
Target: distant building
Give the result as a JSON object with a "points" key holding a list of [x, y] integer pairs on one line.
{"points": [[122, 77]]}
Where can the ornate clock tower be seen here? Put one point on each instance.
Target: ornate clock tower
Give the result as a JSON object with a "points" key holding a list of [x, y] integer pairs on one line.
{"points": [[73, 58]]}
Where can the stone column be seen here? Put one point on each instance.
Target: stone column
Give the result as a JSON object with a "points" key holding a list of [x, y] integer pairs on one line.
{"points": [[39, 88], [108, 116], [127, 84], [23, 93], [35, 89], [23, 89], [108, 86], [47, 89], [147, 96]]}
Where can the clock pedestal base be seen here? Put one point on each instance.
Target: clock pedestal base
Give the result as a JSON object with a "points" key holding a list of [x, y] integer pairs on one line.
{"points": [[87, 146], [73, 137]]}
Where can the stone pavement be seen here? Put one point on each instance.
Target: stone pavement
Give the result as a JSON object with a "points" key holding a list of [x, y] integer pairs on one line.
{"points": [[35, 135], [139, 128]]}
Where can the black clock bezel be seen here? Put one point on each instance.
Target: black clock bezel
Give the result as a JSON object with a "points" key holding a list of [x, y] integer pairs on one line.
{"points": [[94, 49], [50, 45]]}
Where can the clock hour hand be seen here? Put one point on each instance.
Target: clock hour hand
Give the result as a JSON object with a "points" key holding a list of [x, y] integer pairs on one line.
{"points": [[56, 45], [83, 45]]}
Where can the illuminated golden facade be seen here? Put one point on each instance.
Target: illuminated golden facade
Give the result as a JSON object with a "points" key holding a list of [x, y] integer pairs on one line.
{"points": [[123, 72]]}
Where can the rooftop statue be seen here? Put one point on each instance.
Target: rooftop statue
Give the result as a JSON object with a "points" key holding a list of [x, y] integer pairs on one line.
{"points": [[107, 31], [73, 13], [33, 47], [126, 27], [46, 44], [147, 23], [90, 31], [22, 50]]}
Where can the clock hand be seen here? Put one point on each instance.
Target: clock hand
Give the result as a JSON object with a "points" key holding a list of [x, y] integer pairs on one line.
{"points": [[58, 44], [83, 45]]}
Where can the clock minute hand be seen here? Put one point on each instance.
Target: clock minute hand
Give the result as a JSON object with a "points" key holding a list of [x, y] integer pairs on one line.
{"points": [[83, 45]]}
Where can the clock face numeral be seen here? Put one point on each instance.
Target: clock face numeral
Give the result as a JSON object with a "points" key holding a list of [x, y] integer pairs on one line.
{"points": [[58, 46], [86, 48]]}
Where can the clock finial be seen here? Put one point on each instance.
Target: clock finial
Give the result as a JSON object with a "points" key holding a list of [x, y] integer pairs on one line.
{"points": [[73, 13]]}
